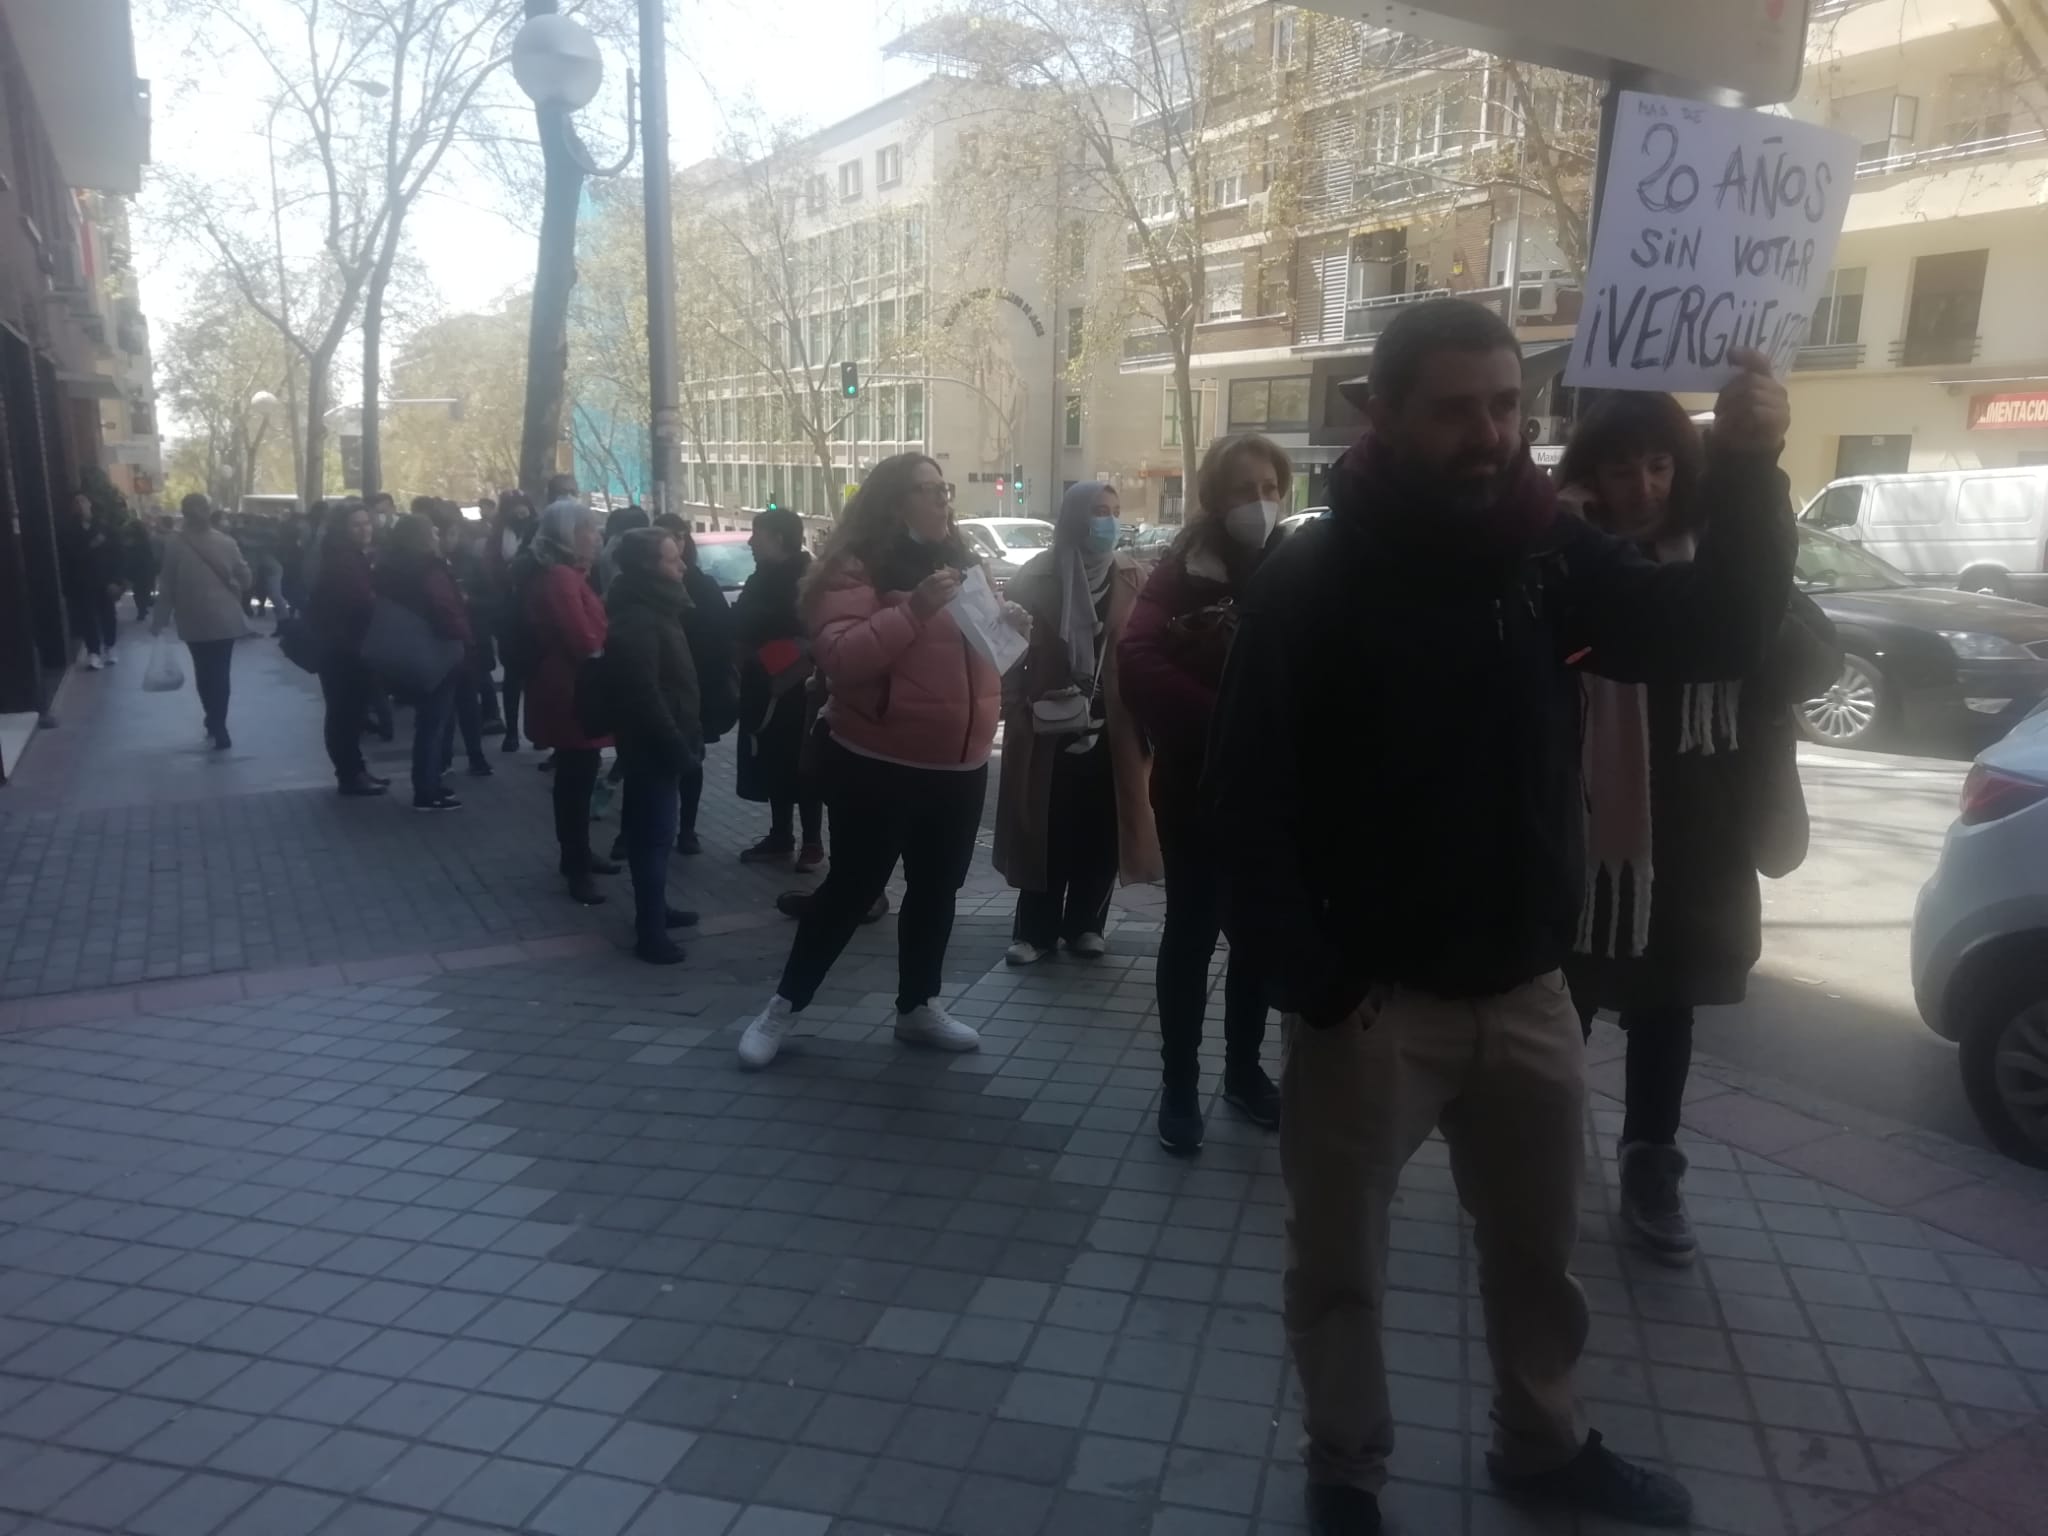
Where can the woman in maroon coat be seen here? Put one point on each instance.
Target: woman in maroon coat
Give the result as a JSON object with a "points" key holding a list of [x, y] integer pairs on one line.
{"points": [[338, 612], [568, 624], [1171, 662]]}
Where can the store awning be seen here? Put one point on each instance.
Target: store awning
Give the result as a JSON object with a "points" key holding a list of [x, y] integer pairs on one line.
{"points": [[1540, 364]]}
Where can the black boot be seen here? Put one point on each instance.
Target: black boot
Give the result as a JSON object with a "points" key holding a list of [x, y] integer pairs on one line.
{"points": [[1248, 1090], [1180, 1117]]}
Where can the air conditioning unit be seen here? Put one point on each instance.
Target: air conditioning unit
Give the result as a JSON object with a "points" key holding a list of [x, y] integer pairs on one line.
{"points": [[1535, 301], [1545, 429]]}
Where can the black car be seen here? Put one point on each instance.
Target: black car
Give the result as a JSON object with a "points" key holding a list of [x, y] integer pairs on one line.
{"points": [[1916, 659]]}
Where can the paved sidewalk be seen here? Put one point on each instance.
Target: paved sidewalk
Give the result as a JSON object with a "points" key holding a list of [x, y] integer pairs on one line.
{"points": [[404, 1203]]}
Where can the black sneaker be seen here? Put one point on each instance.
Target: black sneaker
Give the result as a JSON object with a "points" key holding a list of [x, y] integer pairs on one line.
{"points": [[1600, 1483], [667, 952], [584, 892], [1180, 1119], [1337, 1510], [770, 850], [1251, 1093], [441, 802], [481, 768], [687, 844], [362, 788]]}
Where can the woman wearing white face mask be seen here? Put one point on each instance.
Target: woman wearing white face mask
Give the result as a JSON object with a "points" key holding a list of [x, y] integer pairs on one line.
{"points": [[1072, 814], [1172, 661]]}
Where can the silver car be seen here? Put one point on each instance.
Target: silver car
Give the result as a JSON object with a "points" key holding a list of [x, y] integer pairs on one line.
{"points": [[1980, 941]]}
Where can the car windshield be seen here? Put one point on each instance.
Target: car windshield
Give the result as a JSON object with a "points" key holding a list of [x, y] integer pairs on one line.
{"points": [[1025, 535], [728, 564], [1828, 564]]}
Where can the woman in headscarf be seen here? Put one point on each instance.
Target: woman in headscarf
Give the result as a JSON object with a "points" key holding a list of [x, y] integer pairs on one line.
{"points": [[1071, 814], [1695, 784], [1172, 658], [567, 624]]}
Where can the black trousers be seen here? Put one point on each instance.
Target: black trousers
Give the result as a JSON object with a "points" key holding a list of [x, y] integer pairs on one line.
{"points": [[1194, 921], [93, 620], [510, 693], [689, 795], [1080, 852], [465, 711], [575, 776], [782, 808], [883, 812], [1654, 1071], [211, 661], [345, 688], [647, 826]]}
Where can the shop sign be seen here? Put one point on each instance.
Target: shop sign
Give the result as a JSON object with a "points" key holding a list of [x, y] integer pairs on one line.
{"points": [[1996, 413]]}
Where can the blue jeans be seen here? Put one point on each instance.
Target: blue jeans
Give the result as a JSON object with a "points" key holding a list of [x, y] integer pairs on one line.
{"points": [[429, 727], [647, 822]]}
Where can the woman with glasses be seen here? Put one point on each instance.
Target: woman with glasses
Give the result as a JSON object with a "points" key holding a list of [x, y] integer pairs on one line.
{"points": [[911, 721]]}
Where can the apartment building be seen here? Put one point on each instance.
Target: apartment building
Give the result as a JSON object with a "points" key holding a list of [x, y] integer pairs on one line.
{"points": [[73, 116], [947, 283], [1930, 348], [1400, 170]]}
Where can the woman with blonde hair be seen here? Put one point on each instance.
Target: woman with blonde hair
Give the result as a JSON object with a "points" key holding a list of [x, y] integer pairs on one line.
{"points": [[1171, 663], [911, 721]]}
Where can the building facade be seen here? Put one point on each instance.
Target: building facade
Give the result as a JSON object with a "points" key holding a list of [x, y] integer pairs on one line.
{"points": [[74, 120], [1930, 348], [1402, 170], [884, 286]]}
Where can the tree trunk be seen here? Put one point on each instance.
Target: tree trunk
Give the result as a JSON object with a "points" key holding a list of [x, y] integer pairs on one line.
{"points": [[1190, 425], [547, 347], [314, 483], [373, 372]]}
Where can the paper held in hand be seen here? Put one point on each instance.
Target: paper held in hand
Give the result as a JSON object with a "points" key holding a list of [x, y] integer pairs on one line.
{"points": [[1717, 231], [979, 613]]}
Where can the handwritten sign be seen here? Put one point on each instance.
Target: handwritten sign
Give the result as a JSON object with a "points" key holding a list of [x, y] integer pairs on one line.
{"points": [[1717, 231]]}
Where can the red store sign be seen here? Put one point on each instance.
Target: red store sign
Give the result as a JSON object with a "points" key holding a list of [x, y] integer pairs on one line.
{"points": [[1991, 413]]}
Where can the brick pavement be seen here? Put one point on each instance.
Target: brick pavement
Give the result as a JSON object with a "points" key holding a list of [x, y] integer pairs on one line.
{"points": [[488, 1234]]}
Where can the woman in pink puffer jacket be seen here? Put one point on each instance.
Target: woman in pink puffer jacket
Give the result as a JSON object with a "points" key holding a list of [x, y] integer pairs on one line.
{"points": [[911, 722]]}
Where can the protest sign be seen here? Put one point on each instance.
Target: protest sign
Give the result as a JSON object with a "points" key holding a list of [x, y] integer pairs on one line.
{"points": [[1717, 231]]}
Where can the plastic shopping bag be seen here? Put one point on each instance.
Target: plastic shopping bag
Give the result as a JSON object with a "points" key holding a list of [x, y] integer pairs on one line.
{"points": [[163, 674]]}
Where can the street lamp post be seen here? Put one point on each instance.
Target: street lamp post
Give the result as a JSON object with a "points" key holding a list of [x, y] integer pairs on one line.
{"points": [[666, 492]]}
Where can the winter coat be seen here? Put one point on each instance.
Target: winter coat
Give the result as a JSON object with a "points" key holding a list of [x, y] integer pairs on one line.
{"points": [[200, 587], [1395, 760], [769, 630], [708, 626], [1709, 812], [651, 676], [426, 586], [568, 624], [338, 607], [1024, 798], [88, 559], [1172, 666], [903, 688]]}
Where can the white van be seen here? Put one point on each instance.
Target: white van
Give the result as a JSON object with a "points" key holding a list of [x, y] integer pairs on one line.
{"points": [[1984, 530]]}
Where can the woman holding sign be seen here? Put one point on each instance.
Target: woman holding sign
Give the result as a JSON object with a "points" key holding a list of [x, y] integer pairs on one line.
{"points": [[1073, 814], [911, 722], [1691, 791]]}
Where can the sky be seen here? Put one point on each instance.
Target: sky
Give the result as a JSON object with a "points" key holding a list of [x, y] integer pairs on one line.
{"points": [[808, 61]]}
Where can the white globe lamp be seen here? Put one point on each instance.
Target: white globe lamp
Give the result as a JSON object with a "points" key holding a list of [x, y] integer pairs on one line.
{"points": [[556, 62]]}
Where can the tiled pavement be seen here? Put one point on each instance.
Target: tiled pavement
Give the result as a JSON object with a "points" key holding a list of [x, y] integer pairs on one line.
{"points": [[508, 1244], [518, 1248]]}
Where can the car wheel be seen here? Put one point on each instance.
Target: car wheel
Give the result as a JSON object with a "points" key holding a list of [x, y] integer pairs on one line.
{"points": [[1853, 710], [2005, 1067], [1993, 582]]}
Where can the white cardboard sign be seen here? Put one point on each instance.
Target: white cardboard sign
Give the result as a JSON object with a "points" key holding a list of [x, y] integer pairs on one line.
{"points": [[1717, 231]]}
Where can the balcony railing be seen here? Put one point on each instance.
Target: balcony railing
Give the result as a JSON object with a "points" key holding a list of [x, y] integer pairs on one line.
{"points": [[1926, 351], [1366, 320], [1839, 354], [1948, 154]]}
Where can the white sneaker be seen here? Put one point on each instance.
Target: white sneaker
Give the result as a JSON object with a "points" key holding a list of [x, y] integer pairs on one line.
{"points": [[1021, 953], [932, 1026], [93, 661], [1089, 946], [764, 1034]]}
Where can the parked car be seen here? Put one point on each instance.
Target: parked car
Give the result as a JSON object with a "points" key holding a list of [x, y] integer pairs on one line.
{"points": [[1006, 543], [727, 558], [1915, 658], [1984, 530], [1147, 541], [1980, 941]]}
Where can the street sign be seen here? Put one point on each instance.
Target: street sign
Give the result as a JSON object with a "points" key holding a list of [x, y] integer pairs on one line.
{"points": [[1752, 47]]}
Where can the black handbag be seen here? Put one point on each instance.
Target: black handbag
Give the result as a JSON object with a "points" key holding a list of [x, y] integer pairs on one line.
{"points": [[401, 647], [301, 645]]}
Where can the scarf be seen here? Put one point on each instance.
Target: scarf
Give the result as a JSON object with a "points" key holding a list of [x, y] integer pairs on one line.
{"points": [[1084, 582], [554, 541], [1614, 767]]}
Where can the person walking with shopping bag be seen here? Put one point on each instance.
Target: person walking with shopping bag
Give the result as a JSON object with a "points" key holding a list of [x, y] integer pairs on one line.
{"points": [[1072, 814], [201, 589]]}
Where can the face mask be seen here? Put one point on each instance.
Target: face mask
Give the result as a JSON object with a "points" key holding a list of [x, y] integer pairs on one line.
{"points": [[1102, 535], [1253, 523]]}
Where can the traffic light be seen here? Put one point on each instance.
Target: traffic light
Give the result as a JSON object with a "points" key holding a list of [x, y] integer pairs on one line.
{"points": [[849, 379], [774, 504], [1002, 485], [1017, 480]]}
